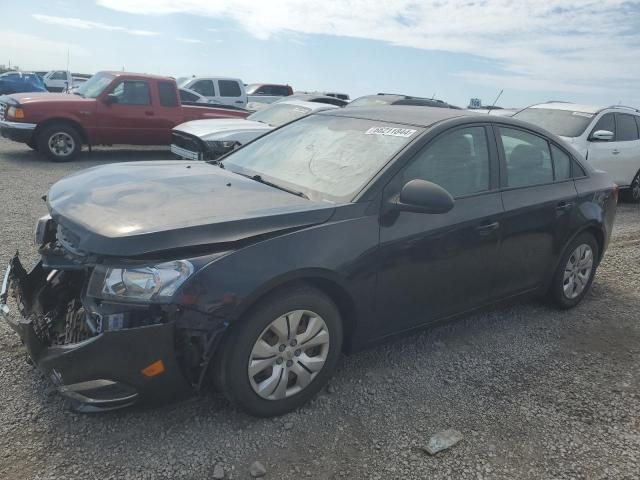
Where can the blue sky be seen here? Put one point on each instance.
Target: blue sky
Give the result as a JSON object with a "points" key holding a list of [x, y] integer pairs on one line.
{"points": [[584, 51]]}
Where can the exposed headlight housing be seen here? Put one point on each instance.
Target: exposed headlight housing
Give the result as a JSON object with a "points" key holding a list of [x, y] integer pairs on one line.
{"points": [[222, 146], [43, 231], [154, 284], [15, 112]]}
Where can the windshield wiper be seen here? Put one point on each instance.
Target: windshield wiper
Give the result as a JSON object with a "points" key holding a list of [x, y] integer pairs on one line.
{"points": [[258, 178]]}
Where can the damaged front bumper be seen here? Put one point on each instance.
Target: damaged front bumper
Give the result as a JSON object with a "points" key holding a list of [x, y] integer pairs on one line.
{"points": [[95, 369]]}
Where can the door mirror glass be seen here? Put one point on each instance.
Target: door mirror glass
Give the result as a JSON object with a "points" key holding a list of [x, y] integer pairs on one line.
{"points": [[422, 196], [111, 98], [602, 136]]}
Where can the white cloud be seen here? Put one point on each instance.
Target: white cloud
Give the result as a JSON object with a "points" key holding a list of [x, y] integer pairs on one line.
{"points": [[188, 40], [581, 45], [88, 25], [42, 53]]}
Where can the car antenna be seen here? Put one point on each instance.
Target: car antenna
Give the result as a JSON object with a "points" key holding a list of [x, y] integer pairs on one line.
{"points": [[494, 102]]}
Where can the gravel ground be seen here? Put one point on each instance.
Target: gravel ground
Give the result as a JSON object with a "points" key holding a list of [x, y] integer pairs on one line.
{"points": [[537, 393]]}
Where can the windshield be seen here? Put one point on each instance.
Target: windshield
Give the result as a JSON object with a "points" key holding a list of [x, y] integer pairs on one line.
{"points": [[325, 157], [277, 115], [93, 87], [564, 123]]}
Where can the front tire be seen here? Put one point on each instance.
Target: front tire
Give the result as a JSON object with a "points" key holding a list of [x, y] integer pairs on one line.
{"points": [[282, 353], [575, 272], [59, 142], [632, 194]]}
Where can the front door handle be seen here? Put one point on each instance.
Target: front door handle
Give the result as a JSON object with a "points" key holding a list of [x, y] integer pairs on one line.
{"points": [[615, 151], [149, 113], [564, 206], [487, 228]]}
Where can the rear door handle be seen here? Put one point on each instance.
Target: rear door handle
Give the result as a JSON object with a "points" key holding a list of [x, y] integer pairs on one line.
{"points": [[615, 151], [487, 228]]}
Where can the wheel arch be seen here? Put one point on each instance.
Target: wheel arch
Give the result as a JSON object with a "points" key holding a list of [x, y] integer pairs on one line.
{"points": [[73, 123]]}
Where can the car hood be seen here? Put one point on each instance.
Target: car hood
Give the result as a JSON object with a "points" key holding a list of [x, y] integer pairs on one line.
{"points": [[204, 129], [144, 207], [38, 97]]}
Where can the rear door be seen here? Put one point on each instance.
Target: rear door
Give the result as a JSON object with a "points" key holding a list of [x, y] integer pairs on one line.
{"points": [[436, 265], [539, 199], [232, 93], [129, 119], [628, 147]]}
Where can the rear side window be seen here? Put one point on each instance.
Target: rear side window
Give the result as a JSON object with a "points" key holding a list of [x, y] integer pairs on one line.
{"points": [[626, 127], [561, 164], [168, 97], [280, 90], [229, 88], [528, 159], [606, 122], [204, 88], [457, 161], [132, 92]]}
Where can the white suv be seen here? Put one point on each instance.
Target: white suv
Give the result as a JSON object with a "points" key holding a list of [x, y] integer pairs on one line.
{"points": [[609, 138]]}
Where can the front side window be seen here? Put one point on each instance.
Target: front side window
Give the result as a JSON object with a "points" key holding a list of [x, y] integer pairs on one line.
{"points": [[527, 156], [204, 88], [229, 88], [606, 122], [167, 92], [627, 130], [132, 92], [324, 157], [564, 123], [457, 161]]}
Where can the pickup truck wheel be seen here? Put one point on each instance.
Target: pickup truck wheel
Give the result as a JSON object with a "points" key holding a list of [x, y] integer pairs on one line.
{"points": [[632, 194], [59, 142]]}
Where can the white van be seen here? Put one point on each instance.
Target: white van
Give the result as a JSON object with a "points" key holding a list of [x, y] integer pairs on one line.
{"points": [[226, 91]]}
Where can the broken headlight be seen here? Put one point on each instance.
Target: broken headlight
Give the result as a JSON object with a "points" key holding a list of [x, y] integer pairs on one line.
{"points": [[156, 283]]}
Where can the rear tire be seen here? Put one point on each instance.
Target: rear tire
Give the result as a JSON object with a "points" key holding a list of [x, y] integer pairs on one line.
{"points": [[267, 365], [632, 194], [576, 270], [60, 142]]}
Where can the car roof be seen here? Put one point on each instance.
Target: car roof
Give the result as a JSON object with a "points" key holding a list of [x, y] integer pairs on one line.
{"points": [[569, 107], [314, 106], [140, 75], [403, 114]]}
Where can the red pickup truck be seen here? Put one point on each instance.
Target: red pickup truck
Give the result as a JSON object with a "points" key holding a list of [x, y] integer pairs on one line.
{"points": [[110, 108]]}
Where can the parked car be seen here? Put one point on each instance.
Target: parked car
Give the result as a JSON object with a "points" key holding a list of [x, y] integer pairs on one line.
{"points": [[226, 91], [267, 92], [341, 96], [607, 137], [62, 81], [329, 234], [19, 82], [395, 99], [210, 139], [110, 108], [188, 96], [315, 98]]}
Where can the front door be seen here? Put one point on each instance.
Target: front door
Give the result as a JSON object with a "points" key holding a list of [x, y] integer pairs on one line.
{"points": [[436, 265], [539, 199], [128, 117]]}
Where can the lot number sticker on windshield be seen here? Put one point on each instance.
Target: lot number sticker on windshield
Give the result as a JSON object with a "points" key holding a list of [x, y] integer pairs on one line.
{"points": [[392, 131]]}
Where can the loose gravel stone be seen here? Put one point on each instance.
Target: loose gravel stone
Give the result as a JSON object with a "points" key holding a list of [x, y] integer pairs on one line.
{"points": [[257, 470], [218, 472], [442, 441], [538, 393]]}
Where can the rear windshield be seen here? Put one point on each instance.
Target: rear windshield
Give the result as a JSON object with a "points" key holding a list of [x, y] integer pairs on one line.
{"points": [[564, 123]]}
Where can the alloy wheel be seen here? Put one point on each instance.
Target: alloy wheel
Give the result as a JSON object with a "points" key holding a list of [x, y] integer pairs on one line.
{"points": [[577, 272], [61, 144], [288, 355]]}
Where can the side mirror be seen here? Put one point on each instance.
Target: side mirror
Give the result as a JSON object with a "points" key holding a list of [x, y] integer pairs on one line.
{"points": [[421, 196], [602, 136], [111, 98]]}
